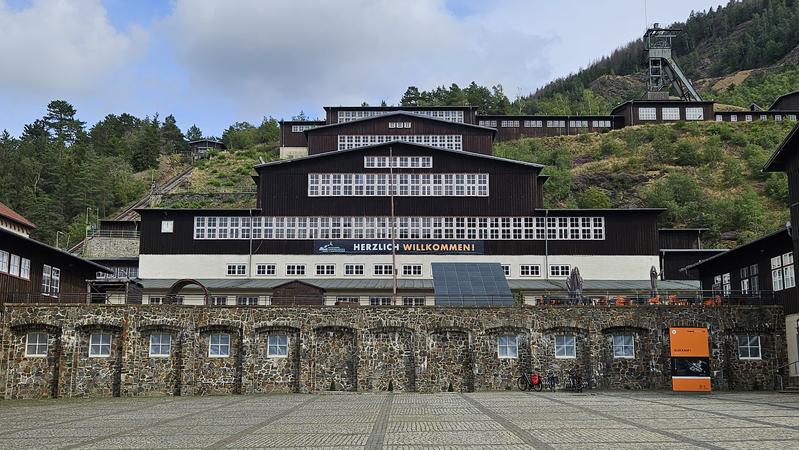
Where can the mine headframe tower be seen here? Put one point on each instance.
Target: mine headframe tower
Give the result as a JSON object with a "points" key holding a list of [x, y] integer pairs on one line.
{"points": [[663, 70]]}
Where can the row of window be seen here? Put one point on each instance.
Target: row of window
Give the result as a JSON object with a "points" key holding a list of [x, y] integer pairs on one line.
{"points": [[671, 113], [357, 269], [15, 265], [750, 117], [301, 128], [549, 123], [448, 115], [399, 124], [401, 162], [401, 184], [482, 228], [782, 272], [447, 141], [160, 345], [278, 345], [51, 280], [120, 272]]}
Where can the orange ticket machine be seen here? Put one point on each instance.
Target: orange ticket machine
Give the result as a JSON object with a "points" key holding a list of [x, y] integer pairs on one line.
{"points": [[690, 359]]}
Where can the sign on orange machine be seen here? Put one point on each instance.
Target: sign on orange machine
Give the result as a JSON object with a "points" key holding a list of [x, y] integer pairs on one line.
{"points": [[690, 359]]}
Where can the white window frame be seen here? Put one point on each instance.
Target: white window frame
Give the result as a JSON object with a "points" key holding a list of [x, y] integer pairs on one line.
{"points": [[14, 265], [530, 270], [377, 300], [277, 346], [647, 114], [159, 342], [238, 270], [100, 344], [4, 260], [167, 226], [412, 270], [413, 301], [265, 269], [37, 348], [219, 300], [694, 113], [247, 300], [506, 269], [556, 270], [295, 269], [562, 348], [782, 272], [353, 270], [747, 355], [383, 269], [215, 350], [325, 269], [155, 300], [621, 345], [671, 113], [508, 346]]}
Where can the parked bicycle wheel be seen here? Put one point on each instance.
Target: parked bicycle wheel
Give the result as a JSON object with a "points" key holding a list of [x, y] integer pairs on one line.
{"points": [[522, 383], [538, 386]]}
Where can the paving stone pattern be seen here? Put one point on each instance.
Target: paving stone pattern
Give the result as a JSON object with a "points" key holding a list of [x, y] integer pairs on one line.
{"points": [[502, 420]]}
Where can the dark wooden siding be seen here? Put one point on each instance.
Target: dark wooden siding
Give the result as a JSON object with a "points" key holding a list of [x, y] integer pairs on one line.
{"points": [[630, 110], [512, 133], [289, 138], [627, 232], [759, 252], [513, 188], [672, 262], [74, 272], [788, 102], [678, 239], [477, 140], [298, 293], [754, 116], [331, 112]]}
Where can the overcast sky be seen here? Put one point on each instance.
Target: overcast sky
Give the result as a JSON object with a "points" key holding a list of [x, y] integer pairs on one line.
{"points": [[214, 62]]}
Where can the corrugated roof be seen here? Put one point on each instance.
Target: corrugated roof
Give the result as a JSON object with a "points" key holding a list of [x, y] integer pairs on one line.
{"points": [[269, 283], [14, 216], [421, 284]]}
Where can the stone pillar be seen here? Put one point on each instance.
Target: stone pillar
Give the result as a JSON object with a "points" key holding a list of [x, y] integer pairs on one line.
{"points": [[188, 352]]}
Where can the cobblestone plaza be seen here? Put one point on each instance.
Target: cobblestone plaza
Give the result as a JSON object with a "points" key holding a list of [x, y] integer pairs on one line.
{"points": [[616, 420]]}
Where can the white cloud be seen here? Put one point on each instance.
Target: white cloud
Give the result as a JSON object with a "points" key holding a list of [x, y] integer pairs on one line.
{"points": [[61, 47], [279, 55]]}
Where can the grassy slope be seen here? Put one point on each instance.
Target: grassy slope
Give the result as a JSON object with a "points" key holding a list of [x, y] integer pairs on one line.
{"points": [[705, 174], [221, 177]]}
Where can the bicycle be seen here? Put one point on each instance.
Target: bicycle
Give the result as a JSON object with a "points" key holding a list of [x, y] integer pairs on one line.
{"points": [[551, 382], [575, 383], [530, 382]]}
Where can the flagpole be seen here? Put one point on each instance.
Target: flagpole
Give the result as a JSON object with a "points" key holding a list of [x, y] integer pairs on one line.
{"points": [[393, 228]]}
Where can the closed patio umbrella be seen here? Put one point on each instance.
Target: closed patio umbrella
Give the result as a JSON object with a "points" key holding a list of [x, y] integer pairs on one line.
{"points": [[575, 285], [653, 280]]}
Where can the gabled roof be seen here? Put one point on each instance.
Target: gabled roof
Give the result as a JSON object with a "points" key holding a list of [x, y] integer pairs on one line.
{"points": [[401, 113], [385, 144], [778, 99], [777, 161], [53, 249], [13, 216], [739, 248]]}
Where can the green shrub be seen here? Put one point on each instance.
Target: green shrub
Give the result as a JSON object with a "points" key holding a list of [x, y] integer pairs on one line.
{"points": [[593, 197]]}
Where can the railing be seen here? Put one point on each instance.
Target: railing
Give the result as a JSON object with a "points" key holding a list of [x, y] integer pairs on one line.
{"points": [[408, 299], [662, 297], [120, 234], [784, 371]]}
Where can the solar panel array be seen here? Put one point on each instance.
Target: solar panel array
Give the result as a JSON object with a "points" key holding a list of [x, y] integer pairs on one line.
{"points": [[475, 284]]}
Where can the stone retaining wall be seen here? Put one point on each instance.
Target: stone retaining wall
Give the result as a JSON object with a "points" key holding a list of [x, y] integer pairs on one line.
{"points": [[426, 349]]}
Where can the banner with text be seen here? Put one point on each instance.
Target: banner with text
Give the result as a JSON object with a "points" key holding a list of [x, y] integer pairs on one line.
{"points": [[402, 246]]}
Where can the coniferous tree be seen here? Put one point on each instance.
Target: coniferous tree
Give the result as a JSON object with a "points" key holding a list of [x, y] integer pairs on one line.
{"points": [[194, 133]]}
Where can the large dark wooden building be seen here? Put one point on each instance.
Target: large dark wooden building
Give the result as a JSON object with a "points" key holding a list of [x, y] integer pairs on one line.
{"points": [[325, 220], [31, 271], [786, 159]]}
